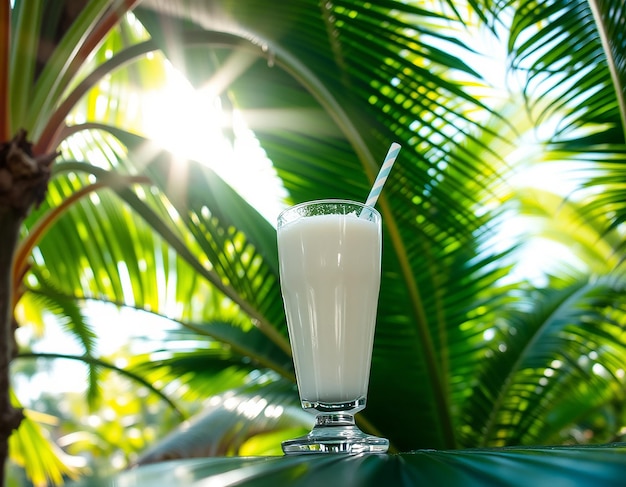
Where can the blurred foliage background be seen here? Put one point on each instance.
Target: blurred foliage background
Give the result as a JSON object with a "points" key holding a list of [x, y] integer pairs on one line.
{"points": [[146, 285]]}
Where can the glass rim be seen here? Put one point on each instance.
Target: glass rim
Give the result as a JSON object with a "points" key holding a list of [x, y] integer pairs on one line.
{"points": [[328, 201]]}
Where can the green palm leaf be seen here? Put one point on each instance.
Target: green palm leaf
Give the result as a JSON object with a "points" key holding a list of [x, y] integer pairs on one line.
{"points": [[43, 461], [535, 365], [609, 21], [578, 466], [560, 74]]}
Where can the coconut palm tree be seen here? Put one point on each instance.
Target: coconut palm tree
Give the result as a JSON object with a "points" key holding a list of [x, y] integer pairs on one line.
{"points": [[44, 54], [468, 350]]}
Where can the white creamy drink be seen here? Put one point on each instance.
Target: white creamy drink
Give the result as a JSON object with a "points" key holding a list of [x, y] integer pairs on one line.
{"points": [[330, 277]]}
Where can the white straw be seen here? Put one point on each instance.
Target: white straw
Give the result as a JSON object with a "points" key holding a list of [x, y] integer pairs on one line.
{"points": [[383, 173]]}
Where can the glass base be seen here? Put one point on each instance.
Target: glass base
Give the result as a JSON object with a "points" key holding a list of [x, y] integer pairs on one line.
{"points": [[336, 433]]}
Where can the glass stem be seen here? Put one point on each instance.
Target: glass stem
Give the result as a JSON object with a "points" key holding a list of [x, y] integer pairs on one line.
{"points": [[334, 419]]}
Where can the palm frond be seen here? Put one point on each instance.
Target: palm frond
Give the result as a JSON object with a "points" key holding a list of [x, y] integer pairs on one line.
{"points": [[43, 461], [536, 357], [558, 78], [98, 363], [610, 19], [578, 466]]}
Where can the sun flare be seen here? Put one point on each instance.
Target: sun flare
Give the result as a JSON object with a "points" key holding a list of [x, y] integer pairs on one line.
{"points": [[192, 124]]}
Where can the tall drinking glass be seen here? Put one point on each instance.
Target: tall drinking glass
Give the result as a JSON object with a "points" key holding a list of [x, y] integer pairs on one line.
{"points": [[330, 258]]}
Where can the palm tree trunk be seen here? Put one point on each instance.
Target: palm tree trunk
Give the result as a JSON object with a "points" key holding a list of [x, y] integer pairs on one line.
{"points": [[10, 417], [23, 183]]}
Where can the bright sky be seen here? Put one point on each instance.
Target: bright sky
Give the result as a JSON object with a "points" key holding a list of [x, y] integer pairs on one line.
{"points": [[242, 163]]}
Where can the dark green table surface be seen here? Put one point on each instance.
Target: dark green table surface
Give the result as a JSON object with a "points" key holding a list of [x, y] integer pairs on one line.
{"points": [[593, 466]]}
